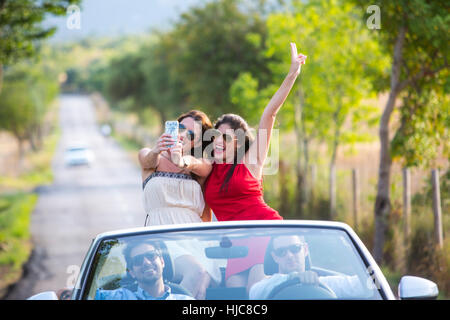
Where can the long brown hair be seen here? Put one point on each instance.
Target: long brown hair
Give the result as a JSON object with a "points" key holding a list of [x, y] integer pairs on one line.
{"points": [[199, 116], [235, 122]]}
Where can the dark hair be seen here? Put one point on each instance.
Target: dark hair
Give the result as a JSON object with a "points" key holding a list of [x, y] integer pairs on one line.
{"points": [[235, 122], [206, 125], [270, 266], [136, 243]]}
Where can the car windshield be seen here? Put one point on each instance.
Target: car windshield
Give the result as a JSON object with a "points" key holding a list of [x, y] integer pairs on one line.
{"points": [[242, 263]]}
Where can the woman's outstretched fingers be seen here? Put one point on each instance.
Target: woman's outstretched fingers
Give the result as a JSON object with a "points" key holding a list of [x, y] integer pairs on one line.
{"points": [[293, 50]]}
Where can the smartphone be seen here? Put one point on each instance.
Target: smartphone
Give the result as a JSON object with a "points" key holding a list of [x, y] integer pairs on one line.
{"points": [[172, 129]]}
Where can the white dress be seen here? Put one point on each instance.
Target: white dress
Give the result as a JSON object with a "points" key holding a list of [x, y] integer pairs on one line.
{"points": [[173, 198]]}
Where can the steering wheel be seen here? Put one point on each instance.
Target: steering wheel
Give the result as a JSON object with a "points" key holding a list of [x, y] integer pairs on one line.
{"points": [[293, 289]]}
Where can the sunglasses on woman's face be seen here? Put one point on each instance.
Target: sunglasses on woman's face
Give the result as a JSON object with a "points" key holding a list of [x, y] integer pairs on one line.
{"points": [[189, 133], [226, 137], [150, 256], [293, 248]]}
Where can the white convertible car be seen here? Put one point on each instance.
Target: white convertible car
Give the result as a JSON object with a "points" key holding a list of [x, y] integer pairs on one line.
{"points": [[340, 265]]}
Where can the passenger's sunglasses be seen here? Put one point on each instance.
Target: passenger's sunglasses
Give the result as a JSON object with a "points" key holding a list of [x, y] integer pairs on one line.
{"points": [[189, 133], [226, 137], [294, 249], [150, 256]]}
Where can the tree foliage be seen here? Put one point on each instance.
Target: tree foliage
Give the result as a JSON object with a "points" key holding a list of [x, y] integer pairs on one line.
{"points": [[21, 27], [412, 33], [29, 89]]}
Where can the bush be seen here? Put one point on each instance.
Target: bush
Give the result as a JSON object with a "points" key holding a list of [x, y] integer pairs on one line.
{"points": [[427, 260], [15, 246]]}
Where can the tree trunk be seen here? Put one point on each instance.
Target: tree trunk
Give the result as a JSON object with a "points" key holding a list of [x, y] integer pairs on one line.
{"points": [[356, 195], [407, 204], [438, 234], [332, 176], [307, 185], [332, 190], [1, 77], [382, 202], [21, 154], [300, 174]]}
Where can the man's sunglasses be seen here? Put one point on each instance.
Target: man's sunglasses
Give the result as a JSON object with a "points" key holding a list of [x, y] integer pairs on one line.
{"points": [[150, 256], [189, 133], [294, 249]]}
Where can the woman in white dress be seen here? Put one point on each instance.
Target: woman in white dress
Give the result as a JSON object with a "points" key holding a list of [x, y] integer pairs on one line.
{"points": [[172, 179]]}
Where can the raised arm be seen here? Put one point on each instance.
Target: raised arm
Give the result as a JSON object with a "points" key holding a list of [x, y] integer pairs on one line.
{"points": [[261, 147]]}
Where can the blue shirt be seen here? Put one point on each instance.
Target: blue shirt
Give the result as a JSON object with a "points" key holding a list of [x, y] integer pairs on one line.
{"points": [[140, 294]]}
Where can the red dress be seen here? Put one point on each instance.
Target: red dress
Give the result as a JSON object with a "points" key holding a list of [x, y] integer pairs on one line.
{"points": [[242, 200]]}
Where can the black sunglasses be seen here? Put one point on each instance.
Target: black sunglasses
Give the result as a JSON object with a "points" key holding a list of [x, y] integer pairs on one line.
{"points": [[150, 256], [190, 134], [226, 137], [293, 248]]}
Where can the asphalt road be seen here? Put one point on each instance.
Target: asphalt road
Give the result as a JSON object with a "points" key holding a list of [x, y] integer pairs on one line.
{"points": [[81, 203]]}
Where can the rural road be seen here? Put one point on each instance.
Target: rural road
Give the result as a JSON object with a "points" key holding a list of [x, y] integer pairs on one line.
{"points": [[82, 202]]}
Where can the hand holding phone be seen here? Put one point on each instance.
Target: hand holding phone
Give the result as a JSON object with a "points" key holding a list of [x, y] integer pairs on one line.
{"points": [[163, 144], [172, 130]]}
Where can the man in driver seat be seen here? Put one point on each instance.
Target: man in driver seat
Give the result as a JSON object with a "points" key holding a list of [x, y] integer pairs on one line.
{"points": [[289, 253], [145, 264]]}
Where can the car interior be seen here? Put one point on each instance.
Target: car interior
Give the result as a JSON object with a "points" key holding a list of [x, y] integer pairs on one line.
{"points": [[221, 291]]}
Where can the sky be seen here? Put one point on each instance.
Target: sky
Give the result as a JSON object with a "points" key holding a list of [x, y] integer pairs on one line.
{"points": [[117, 17]]}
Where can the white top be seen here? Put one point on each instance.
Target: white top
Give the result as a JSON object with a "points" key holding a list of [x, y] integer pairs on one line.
{"points": [[342, 286], [171, 198], [176, 198]]}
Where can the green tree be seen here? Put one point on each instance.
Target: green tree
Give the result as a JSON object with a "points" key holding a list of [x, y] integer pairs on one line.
{"points": [[125, 79], [28, 90], [162, 88], [21, 27], [412, 33], [17, 112], [330, 90], [215, 43], [424, 132]]}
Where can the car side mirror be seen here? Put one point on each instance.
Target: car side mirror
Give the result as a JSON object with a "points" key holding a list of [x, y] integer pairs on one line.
{"points": [[47, 295], [411, 288]]}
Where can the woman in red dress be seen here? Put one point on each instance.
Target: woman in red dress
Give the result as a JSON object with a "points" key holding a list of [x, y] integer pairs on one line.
{"points": [[233, 190]]}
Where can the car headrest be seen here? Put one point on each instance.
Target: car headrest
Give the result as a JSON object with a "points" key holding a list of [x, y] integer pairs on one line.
{"points": [[271, 267], [168, 271]]}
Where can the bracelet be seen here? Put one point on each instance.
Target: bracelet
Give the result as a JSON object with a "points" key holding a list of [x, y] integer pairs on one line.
{"points": [[185, 163]]}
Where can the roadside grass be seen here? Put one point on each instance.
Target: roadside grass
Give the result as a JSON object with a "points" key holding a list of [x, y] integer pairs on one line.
{"points": [[40, 172], [130, 145], [17, 202], [393, 278], [15, 244]]}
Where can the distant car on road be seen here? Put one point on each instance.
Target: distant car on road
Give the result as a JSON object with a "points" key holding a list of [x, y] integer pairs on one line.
{"points": [[331, 250], [78, 155]]}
